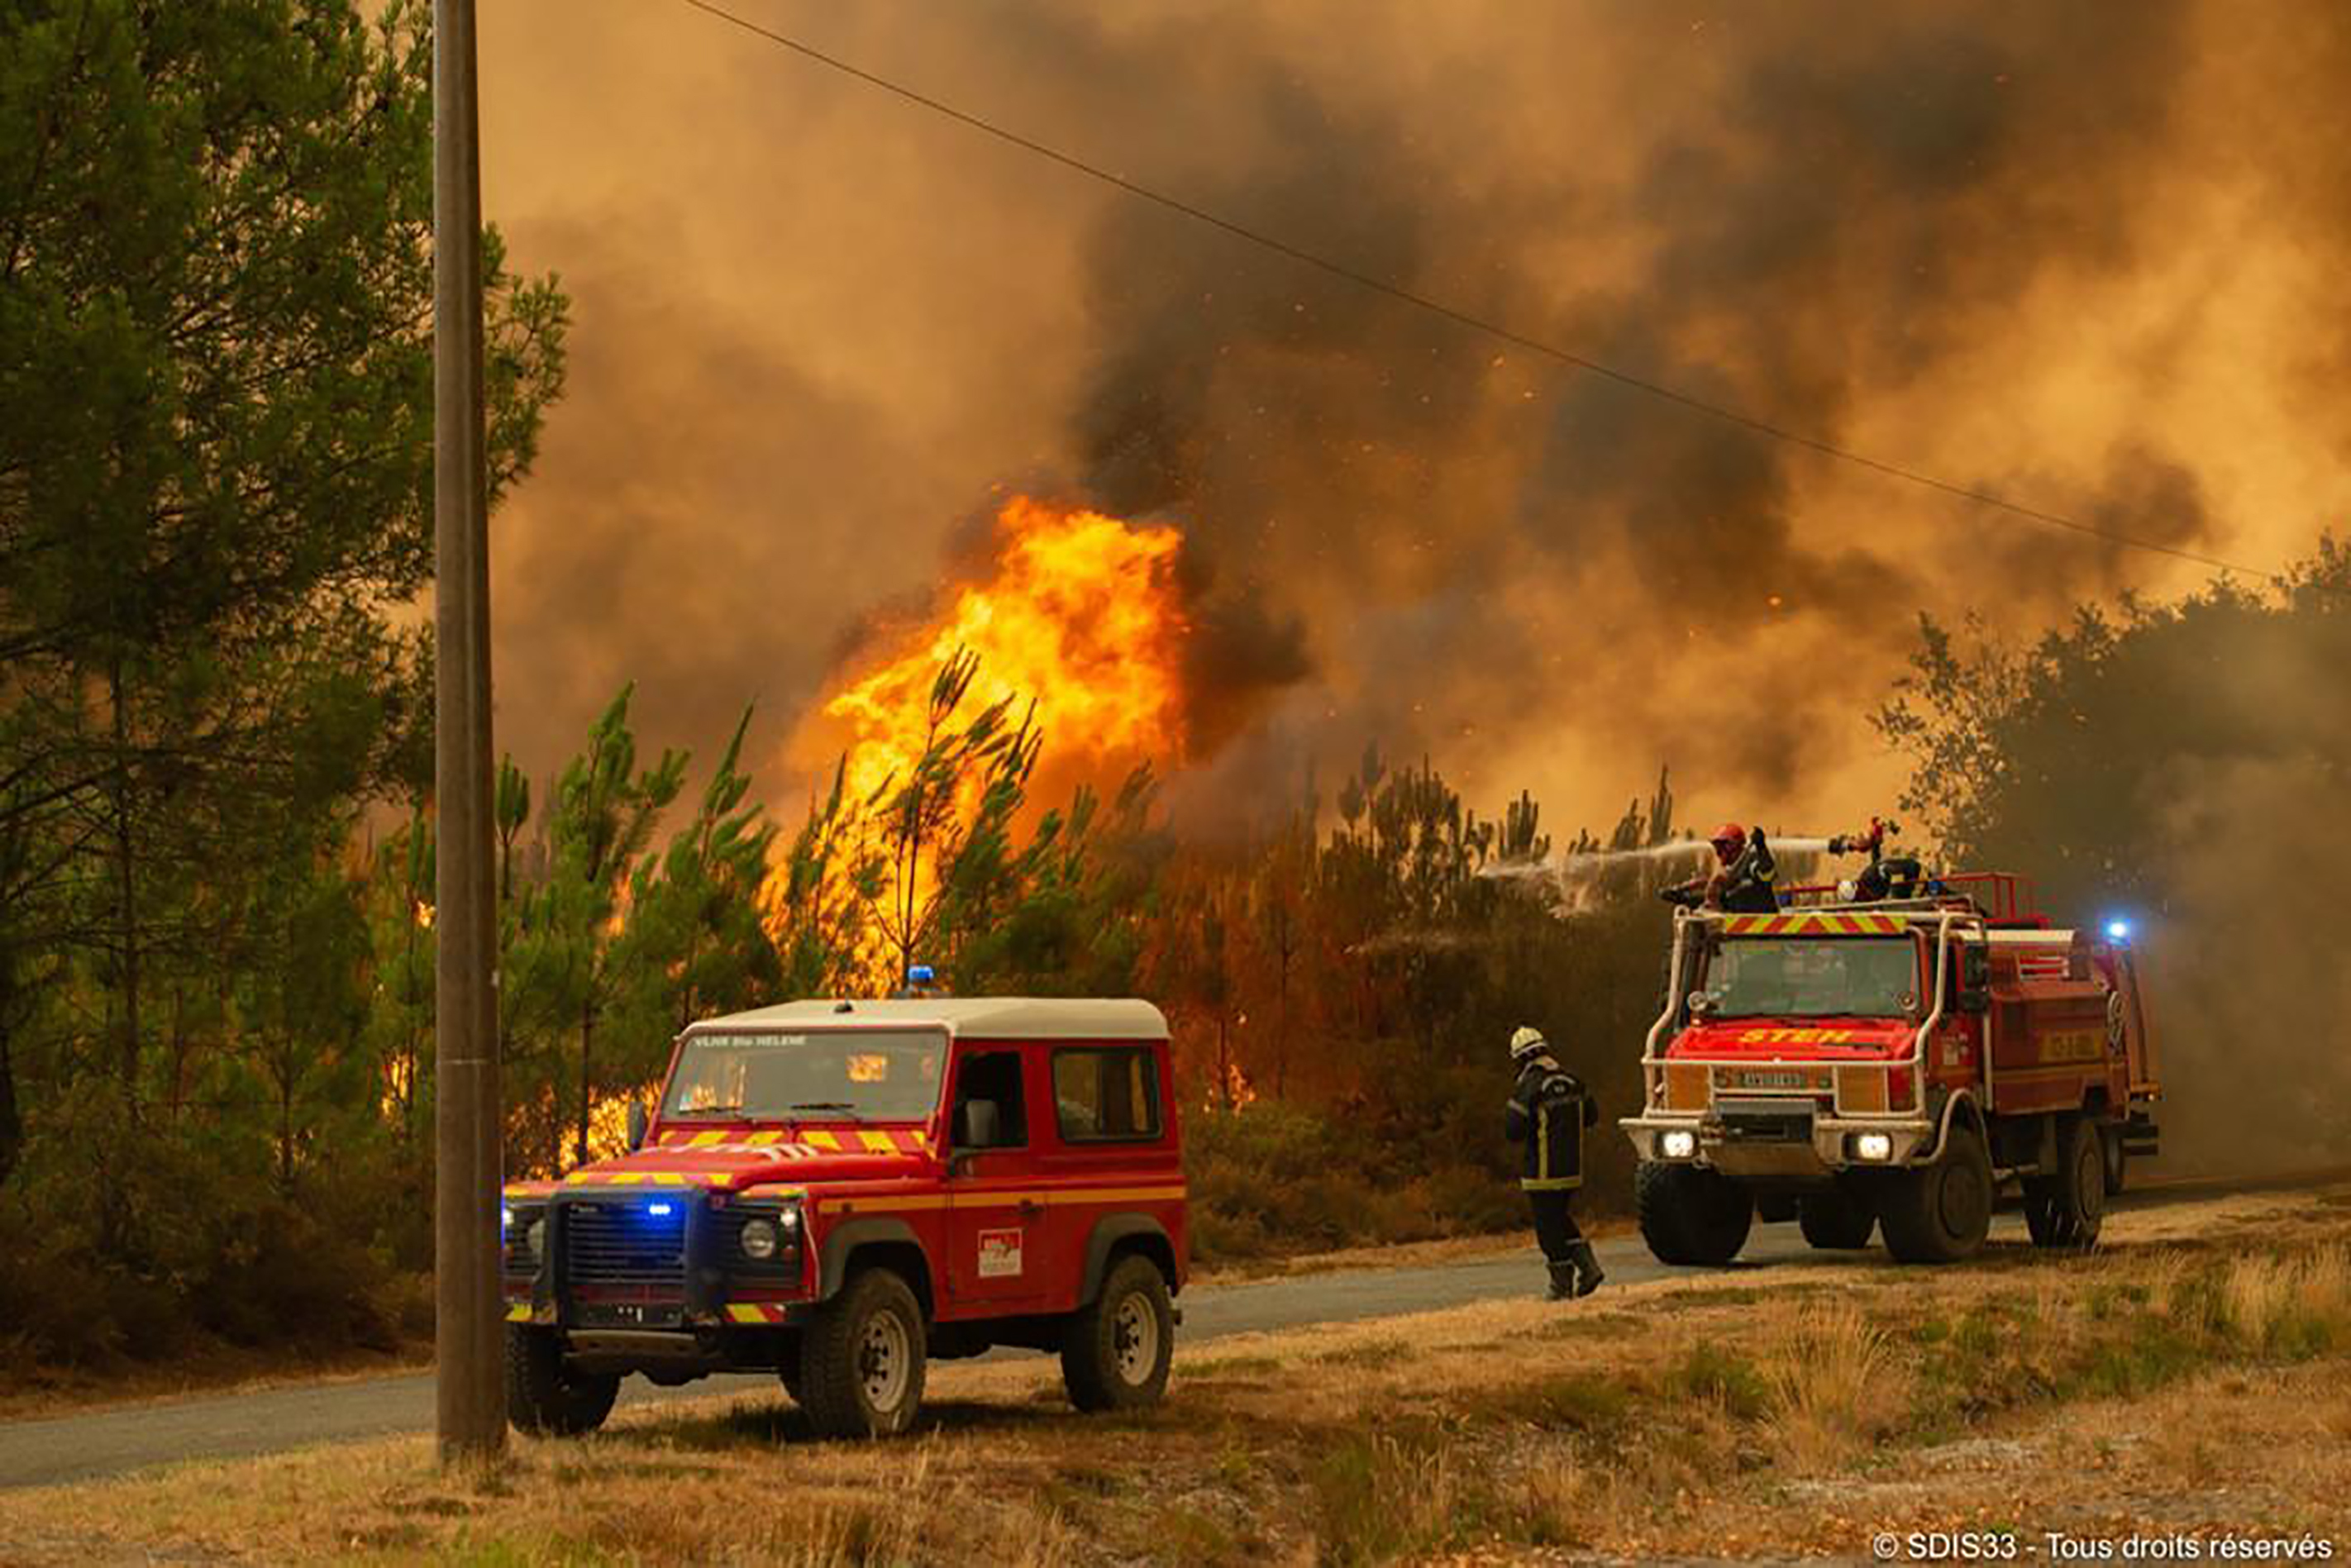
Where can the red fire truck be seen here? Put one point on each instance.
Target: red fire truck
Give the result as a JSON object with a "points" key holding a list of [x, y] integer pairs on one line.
{"points": [[1890, 1066]]}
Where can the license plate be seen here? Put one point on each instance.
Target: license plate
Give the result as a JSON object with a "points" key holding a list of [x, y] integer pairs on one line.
{"points": [[1769, 1079], [627, 1315]]}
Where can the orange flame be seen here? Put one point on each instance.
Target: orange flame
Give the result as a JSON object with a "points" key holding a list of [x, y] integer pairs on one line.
{"points": [[1083, 613], [1080, 613]]}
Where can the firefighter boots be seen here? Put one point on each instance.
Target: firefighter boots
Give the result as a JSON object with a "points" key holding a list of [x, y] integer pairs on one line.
{"points": [[1587, 1270], [1562, 1281]]}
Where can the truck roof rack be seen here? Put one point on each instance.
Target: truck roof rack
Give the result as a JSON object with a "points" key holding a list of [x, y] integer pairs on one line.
{"points": [[2003, 898]]}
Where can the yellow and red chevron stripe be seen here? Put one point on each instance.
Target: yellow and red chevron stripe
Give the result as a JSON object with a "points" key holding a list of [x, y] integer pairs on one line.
{"points": [[754, 1313], [810, 1145], [1812, 922], [651, 1178]]}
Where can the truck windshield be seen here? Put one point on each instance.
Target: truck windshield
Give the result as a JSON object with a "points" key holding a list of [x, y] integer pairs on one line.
{"points": [[1850, 977], [862, 1075]]}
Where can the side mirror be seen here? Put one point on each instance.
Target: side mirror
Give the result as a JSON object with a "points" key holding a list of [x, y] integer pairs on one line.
{"points": [[1703, 1002], [637, 1120], [981, 1124]]}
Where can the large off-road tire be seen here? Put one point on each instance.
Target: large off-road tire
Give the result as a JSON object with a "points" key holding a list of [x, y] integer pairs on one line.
{"points": [[543, 1398], [1116, 1350], [1691, 1216], [2067, 1209], [1940, 1213], [1836, 1220], [862, 1356], [2111, 1139]]}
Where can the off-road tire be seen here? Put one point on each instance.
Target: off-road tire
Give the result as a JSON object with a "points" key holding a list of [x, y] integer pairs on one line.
{"points": [[1116, 1350], [2118, 1157], [1836, 1220], [544, 1398], [1940, 1213], [1690, 1216], [863, 1358]]}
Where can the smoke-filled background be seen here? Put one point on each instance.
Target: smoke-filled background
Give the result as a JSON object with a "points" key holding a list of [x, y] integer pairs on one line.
{"points": [[2087, 255]]}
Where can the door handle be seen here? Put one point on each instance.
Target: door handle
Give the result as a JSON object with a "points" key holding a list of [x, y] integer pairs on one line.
{"points": [[1030, 1209]]}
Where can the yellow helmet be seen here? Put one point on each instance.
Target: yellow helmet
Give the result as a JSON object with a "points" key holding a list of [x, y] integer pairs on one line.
{"points": [[1526, 1043]]}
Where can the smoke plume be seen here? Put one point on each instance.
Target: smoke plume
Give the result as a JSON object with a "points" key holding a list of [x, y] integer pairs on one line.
{"points": [[2070, 253]]}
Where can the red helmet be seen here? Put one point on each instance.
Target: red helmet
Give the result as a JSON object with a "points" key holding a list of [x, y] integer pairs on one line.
{"points": [[1728, 840]]}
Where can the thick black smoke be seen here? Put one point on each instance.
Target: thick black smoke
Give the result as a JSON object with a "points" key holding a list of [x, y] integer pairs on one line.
{"points": [[2074, 253]]}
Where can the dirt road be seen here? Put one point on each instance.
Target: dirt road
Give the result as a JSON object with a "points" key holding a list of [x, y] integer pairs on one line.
{"points": [[111, 1442]]}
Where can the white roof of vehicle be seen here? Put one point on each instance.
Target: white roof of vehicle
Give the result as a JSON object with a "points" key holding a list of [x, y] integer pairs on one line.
{"points": [[971, 1017]]}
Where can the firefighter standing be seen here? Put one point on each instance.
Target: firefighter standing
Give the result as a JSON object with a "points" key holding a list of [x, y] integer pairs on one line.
{"points": [[1549, 1111]]}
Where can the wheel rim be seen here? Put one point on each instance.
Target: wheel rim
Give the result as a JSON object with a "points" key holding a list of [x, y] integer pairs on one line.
{"points": [[884, 1359], [2090, 1181], [1135, 1342]]}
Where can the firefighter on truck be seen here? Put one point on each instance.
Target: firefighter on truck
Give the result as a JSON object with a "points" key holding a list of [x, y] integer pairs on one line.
{"points": [[1865, 1062]]}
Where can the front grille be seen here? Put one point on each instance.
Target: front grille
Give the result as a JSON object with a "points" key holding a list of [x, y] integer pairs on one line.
{"points": [[1762, 1122], [626, 1251]]}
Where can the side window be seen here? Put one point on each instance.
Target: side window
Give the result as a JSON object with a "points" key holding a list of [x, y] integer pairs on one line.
{"points": [[1107, 1094], [991, 1080]]}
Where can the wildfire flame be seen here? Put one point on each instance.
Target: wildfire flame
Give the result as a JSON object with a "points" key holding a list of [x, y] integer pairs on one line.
{"points": [[1081, 613]]}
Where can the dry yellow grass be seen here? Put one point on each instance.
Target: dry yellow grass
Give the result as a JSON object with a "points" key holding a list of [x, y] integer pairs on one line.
{"points": [[1771, 1412]]}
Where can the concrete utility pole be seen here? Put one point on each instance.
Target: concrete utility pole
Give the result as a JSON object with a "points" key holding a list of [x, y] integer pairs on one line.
{"points": [[471, 1412]]}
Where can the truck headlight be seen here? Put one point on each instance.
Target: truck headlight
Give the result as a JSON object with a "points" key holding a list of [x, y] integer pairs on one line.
{"points": [[534, 1232], [760, 1239], [1678, 1145], [1872, 1145]]}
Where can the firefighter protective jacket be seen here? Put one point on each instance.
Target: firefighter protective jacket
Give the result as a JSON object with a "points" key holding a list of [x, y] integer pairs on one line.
{"points": [[1548, 1112], [1748, 882]]}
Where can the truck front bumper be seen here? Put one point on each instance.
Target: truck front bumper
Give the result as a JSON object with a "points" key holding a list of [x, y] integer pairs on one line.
{"points": [[1792, 1143]]}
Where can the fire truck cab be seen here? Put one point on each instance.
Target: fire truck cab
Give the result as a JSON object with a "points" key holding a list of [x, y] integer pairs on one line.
{"points": [[840, 1191], [1889, 1066]]}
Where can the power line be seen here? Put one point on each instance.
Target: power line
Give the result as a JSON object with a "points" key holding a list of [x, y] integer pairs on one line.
{"points": [[1462, 317]]}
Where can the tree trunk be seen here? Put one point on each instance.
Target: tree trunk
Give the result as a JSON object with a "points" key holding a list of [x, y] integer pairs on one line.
{"points": [[126, 894], [587, 1103], [12, 1125]]}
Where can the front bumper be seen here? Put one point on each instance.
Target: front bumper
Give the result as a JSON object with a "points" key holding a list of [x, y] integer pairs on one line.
{"points": [[667, 1263], [1793, 1140]]}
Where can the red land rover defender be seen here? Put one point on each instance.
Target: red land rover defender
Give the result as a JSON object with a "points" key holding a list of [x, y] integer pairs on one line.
{"points": [[839, 1190]]}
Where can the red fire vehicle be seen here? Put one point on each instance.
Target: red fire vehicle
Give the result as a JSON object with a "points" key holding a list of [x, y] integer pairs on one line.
{"points": [[1889, 1065], [838, 1191]]}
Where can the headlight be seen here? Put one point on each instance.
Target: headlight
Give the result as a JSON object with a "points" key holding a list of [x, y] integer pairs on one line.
{"points": [[533, 1230], [1872, 1145], [760, 1239], [1677, 1145]]}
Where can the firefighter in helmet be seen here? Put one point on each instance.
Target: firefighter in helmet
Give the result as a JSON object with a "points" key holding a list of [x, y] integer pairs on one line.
{"points": [[1549, 1112], [1742, 877]]}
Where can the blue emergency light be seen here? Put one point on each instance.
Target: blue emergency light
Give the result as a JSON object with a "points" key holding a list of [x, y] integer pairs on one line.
{"points": [[920, 974], [659, 1210], [2118, 930]]}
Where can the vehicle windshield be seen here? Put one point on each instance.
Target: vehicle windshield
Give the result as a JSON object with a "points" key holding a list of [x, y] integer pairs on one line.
{"points": [[1849, 976], [862, 1075]]}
